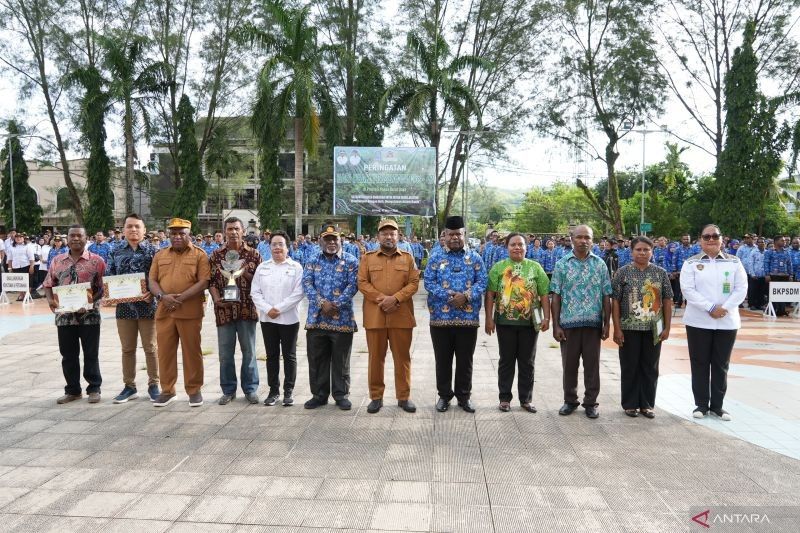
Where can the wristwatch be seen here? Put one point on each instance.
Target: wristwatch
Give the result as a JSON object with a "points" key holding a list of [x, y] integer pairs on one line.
{"points": [[158, 297]]}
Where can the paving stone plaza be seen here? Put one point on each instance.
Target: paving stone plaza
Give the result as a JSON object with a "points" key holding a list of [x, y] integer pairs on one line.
{"points": [[243, 468]]}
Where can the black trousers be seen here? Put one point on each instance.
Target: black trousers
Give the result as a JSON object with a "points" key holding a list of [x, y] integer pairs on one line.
{"points": [[329, 363], [677, 295], [638, 364], [447, 343], [581, 343], [780, 307], [757, 292], [70, 341], [517, 346], [709, 355], [280, 338]]}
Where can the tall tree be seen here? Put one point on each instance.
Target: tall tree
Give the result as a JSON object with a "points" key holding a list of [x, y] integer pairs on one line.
{"points": [[222, 161], [94, 104], [133, 82], [346, 26], [269, 127], [369, 88], [27, 210], [607, 76], [172, 24], [751, 157], [29, 56], [699, 38], [434, 92], [190, 196], [290, 39]]}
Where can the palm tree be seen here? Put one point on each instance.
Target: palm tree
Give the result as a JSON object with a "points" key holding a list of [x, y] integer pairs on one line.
{"points": [[132, 81], [292, 47], [221, 160], [433, 93]]}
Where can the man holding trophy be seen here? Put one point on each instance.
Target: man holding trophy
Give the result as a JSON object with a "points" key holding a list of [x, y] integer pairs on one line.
{"points": [[232, 269]]}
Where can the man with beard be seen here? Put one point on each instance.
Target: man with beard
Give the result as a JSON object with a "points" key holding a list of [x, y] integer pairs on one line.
{"points": [[388, 278]]}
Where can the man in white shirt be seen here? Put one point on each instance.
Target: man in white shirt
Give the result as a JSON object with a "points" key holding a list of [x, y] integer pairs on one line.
{"points": [[277, 289]]}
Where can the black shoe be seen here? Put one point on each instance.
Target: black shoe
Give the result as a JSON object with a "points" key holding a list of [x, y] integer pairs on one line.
{"points": [[407, 406], [467, 405], [567, 409], [592, 411], [442, 405], [374, 406], [313, 403], [344, 404]]}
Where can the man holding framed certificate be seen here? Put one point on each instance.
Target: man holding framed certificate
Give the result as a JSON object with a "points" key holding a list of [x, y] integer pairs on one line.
{"points": [[129, 264], [77, 316]]}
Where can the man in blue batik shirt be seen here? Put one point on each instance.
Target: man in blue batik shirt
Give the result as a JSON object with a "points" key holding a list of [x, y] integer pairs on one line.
{"points": [[548, 257], [330, 280], [209, 245], [263, 246], [417, 250], [100, 246], [794, 253], [455, 280], [754, 266], [135, 320], [778, 267], [681, 254]]}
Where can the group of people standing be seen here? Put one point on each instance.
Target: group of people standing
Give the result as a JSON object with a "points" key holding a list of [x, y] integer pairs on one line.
{"points": [[577, 300]]}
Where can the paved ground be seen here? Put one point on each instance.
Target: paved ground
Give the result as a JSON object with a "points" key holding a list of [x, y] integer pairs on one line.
{"points": [[244, 467]]}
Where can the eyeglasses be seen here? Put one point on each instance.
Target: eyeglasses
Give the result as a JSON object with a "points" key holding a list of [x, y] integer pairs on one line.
{"points": [[711, 237]]}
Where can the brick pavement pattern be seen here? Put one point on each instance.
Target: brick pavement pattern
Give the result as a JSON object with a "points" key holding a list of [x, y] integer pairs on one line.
{"points": [[241, 467]]}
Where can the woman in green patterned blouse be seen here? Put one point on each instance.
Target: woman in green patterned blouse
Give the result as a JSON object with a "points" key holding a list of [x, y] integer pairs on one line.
{"points": [[642, 311]]}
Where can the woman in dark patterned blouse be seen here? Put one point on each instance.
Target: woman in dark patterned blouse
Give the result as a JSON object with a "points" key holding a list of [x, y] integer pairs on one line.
{"points": [[642, 311]]}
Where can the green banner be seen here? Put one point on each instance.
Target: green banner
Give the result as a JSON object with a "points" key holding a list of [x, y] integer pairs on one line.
{"points": [[383, 181]]}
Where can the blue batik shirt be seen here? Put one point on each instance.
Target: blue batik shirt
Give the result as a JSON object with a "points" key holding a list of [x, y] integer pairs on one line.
{"points": [[488, 248], [126, 260], [659, 257], [352, 249], [460, 271], [498, 254], [548, 260], [777, 263], [209, 247], [264, 250], [681, 254], [754, 263], [405, 246], [534, 253], [795, 255], [418, 250], [54, 252], [101, 249], [582, 286], [624, 256], [334, 279]]}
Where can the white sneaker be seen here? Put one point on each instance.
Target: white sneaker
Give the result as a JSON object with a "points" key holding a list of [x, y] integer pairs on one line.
{"points": [[723, 414], [698, 413]]}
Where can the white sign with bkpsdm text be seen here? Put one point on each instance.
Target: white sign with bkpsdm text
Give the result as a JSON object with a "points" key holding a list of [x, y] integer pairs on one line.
{"points": [[784, 291]]}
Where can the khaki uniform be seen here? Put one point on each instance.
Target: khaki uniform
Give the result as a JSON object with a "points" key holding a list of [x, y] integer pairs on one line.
{"points": [[176, 272], [395, 274]]}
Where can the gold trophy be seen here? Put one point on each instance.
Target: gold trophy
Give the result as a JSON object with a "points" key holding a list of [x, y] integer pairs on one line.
{"points": [[232, 268]]}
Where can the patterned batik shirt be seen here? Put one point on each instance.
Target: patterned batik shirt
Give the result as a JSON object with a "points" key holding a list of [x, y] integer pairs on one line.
{"points": [[534, 253], [659, 256], [795, 255], [89, 268], [101, 249], [517, 285], [209, 247], [778, 263], [54, 252], [452, 271], [548, 260], [640, 294], [244, 309], [334, 279], [624, 256], [681, 254], [126, 260], [582, 286]]}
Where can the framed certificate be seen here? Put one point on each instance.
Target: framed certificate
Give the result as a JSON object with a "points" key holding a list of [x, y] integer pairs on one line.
{"points": [[73, 298], [658, 328], [124, 288]]}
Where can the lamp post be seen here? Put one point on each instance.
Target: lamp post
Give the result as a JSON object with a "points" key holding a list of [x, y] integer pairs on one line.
{"points": [[629, 127]]}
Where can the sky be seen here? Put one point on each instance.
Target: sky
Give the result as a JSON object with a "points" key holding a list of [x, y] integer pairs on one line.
{"points": [[534, 160]]}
